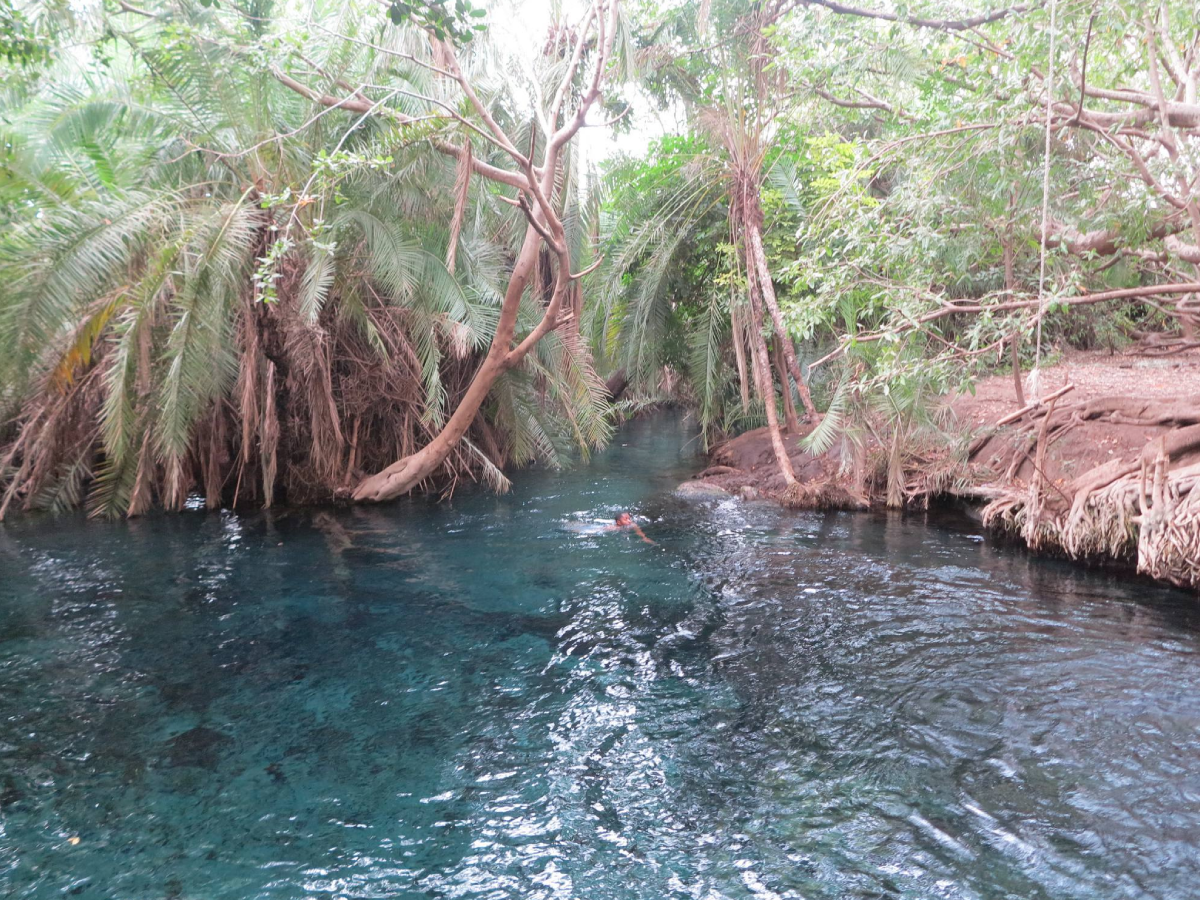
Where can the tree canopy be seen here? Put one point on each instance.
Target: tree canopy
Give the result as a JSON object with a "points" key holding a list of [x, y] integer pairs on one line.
{"points": [[258, 249]]}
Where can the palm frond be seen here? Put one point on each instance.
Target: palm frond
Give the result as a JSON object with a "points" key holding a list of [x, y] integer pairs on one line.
{"points": [[316, 281], [821, 438], [492, 475], [706, 361]]}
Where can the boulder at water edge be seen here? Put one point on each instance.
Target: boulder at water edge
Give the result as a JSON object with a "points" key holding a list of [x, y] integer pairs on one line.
{"points": [[701, 490]]}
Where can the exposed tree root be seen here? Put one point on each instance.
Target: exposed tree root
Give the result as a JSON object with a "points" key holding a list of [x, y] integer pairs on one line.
{"points": [[719, 470], [1132, 411], [794, 496], [1169, 542], [1141, 509], [820, 495]]}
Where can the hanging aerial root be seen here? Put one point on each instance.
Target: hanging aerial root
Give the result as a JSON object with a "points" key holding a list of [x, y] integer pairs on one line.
{"points": [[1169, 523], [1151, 516]]}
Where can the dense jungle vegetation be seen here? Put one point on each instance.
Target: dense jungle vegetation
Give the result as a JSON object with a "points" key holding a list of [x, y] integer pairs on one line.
{"points": [[258, 251]]}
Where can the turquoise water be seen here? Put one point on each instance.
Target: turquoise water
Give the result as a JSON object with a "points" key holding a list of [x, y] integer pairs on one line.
{"points": [[471, 700]]}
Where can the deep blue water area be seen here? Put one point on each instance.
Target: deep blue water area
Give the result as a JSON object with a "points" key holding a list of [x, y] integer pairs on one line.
{"points": [[472, 700]]}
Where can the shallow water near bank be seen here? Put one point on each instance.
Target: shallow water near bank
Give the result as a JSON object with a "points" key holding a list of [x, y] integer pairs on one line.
{"points": [[471, 700]]}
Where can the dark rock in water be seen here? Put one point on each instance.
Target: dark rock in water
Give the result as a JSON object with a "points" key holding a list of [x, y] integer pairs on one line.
{"points": [[195, 694], [325, 744], [701, 490], [10, 793], [199, 747], [546, 626]]}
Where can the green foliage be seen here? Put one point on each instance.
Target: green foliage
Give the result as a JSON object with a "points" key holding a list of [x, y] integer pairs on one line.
{"points": [[194, 203], [20, 40], [458, 20], [215, 284], [899, 161], [658, 225]]}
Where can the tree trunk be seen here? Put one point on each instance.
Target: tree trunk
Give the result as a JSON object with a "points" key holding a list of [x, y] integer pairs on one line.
{"points": [[616, 384], [749, 327], [739, 352], [762, 372], [1185, 317], [1018, 387], [792, 422], [1009, 287], [789, 407], [405, 474], [758, 258]]}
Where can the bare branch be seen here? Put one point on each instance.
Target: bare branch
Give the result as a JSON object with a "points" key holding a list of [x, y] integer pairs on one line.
{"points": [[607, 123], [408, 57], [1161, 100], [565, 86], [457, 74], [352, 103], [1087, 45], [1168, 135], [538, 226], [589, 269], [868, 102], [285, 134], [479, 167], [548, 323], [949, 309], [936, 24], [930, 135], [1013, 416], [136, 10], [1174, 63], [1139, 161], [361, 105], [605, 36]]}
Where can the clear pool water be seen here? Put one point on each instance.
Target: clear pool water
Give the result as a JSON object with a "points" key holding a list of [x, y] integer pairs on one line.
{"points": [[471, 701]]}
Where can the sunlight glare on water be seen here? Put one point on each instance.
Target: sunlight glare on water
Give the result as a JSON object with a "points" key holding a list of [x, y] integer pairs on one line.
{"points": [[474, 701]]}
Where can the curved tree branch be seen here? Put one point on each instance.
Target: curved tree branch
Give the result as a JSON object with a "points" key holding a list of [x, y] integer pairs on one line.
{"points": [[936, 24]]}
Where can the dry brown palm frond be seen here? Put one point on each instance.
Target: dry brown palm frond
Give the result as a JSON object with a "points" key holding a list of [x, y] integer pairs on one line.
{"points": [[1159, 528], [269, 438], [462, 185], [247, 389], [142, 494]]}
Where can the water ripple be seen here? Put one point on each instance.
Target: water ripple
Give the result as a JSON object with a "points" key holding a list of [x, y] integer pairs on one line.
{"points": [[475, 702]]}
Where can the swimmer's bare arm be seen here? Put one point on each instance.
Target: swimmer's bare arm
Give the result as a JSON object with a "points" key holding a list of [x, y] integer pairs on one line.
{"points": [[642, 534]]}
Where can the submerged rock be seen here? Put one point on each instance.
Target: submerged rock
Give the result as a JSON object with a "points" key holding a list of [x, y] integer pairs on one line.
{"points": [[10, 793], [701, 490], [198, 747]]}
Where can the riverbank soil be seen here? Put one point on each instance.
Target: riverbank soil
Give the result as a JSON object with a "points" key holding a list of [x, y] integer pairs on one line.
{"points": [[1106, 467], [746, 466], [1109, 468]]}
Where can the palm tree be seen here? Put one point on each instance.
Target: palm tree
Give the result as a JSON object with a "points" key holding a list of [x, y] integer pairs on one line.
{"points": [[735, 114], [214, 281]]}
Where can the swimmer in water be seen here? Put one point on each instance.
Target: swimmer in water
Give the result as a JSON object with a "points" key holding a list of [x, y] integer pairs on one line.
{"points": [[625, 520]]}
